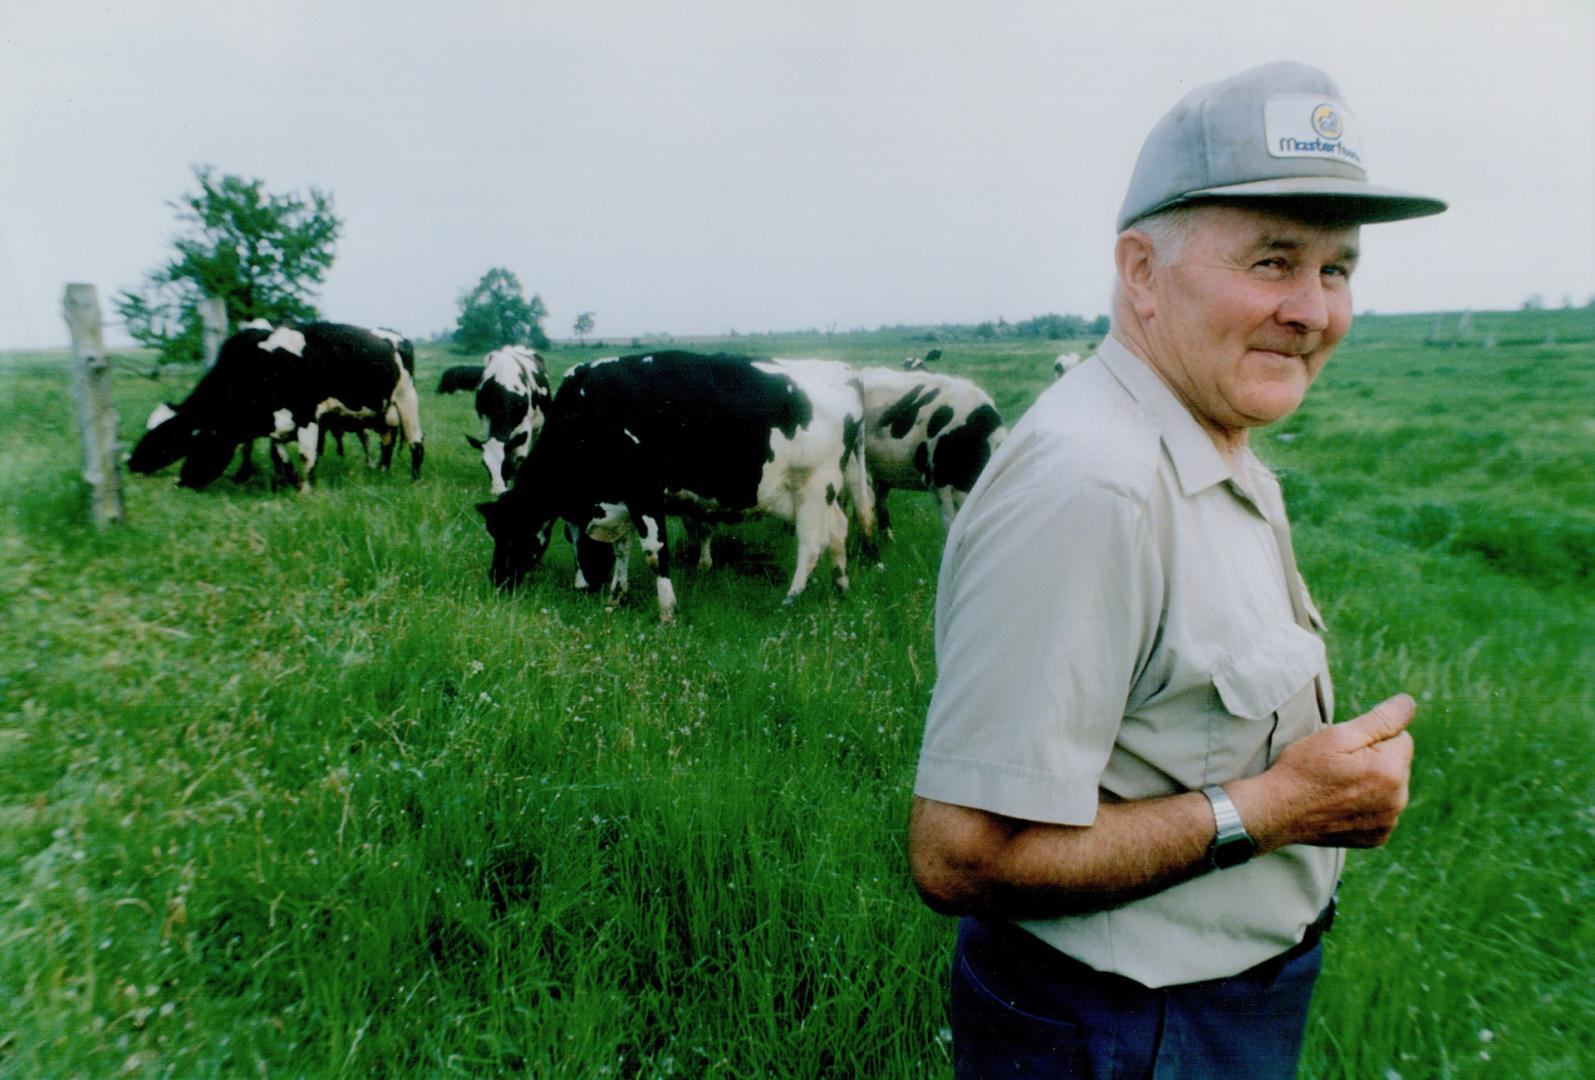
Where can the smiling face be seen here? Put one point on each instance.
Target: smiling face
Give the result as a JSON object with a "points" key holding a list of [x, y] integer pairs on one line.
{"points": [[1245, 315]]}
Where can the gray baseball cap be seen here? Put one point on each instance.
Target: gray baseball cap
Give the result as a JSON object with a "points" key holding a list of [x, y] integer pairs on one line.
{"points": [[1280, 132]]}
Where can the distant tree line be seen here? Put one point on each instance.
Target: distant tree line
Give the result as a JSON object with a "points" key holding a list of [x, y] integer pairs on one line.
{"points": [[265, 254], [1050, 327]]}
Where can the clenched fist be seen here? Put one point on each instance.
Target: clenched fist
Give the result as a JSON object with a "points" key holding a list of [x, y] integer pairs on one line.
{"points": [[1345, 786]]}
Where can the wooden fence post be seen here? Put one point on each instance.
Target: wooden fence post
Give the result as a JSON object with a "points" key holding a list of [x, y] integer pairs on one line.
{"points": [[213, 327], [91, 386]]}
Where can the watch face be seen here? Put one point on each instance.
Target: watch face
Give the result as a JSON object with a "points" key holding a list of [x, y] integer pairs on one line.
{"points": [[1233, 852]]}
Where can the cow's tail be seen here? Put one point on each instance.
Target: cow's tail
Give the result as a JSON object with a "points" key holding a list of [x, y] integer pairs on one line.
{"points": [[860, 493]]}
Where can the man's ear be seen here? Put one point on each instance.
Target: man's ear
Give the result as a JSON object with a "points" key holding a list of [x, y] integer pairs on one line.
{"points": [[1137, 265]]}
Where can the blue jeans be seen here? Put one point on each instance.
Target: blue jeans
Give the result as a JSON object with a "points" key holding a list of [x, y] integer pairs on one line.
{"points": [[1021, 1008]]}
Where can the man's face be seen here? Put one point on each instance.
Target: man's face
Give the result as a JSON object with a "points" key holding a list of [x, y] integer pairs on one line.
{"points": [[1247, 316]]}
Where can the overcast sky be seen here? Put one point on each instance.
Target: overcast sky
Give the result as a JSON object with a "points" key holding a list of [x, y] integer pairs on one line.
{"points": [[736, 164]]}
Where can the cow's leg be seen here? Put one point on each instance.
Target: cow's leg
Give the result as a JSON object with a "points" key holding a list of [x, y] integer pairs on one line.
{"points": [[283, 428], [838, 542], [656, 552], [309, 436], [388, 438], [950, 499], [573, 536], [246, 465], [620, 576], [282, 470], [603, 551], [861, 495], [814, 524], [408, 404], [883, 520], [696, 531]]}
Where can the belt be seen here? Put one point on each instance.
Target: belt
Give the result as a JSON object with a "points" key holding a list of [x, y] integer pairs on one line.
{"points": [[1029, 959]]}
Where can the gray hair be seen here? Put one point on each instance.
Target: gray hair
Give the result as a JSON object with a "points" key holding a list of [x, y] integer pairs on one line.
{"points": [[1169, 230]]}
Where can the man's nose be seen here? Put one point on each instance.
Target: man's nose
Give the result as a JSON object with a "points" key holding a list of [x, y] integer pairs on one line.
{"points": [[1305, 307]]}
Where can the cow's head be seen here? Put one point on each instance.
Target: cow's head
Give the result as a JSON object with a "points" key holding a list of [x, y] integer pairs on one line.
{"points": [[519, 540], [500, 459], [166, 442], [208, 457]]}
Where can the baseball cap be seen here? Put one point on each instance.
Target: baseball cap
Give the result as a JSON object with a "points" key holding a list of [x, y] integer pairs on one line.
{"points": [[1280, 132]]}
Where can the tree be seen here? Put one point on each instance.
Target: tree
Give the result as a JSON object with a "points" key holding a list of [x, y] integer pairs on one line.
{"points": [[496, 313], [262, 254], [584, 325]]}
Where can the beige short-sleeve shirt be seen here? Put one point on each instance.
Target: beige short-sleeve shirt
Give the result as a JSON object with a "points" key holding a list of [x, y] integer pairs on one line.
{"points": [[1113, 622]]}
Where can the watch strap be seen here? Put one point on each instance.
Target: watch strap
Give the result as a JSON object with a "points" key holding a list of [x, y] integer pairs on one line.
{"points": [[1232, 844]]}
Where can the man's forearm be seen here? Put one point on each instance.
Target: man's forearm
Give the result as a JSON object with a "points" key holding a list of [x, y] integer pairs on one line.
{"points": [[973, 862], [1344, 786]]}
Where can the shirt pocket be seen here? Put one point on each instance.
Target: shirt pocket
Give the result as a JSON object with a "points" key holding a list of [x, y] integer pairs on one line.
{"points": [[1268, 688]]}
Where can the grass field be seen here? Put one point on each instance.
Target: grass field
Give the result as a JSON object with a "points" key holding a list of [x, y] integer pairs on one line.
{"points": [[286, 789]]}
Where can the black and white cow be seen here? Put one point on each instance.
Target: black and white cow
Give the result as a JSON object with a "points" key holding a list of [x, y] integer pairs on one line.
{"points": [[512, 402], [460, 377], [1064, 363], [284, 383], [926, 431], [336, 422], [630, 440]]}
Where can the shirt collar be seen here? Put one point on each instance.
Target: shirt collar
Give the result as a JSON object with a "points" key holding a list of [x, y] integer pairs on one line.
{"points": [[1197, 462]]}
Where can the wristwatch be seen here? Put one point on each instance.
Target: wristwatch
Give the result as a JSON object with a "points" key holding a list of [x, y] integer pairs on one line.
{"points": [[1232, 845]]}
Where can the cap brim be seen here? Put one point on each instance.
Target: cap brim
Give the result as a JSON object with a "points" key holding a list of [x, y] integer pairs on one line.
{"points": [[1332, 198]]}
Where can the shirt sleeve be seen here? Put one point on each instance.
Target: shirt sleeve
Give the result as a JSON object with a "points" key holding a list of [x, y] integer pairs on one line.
{"points": [[1047, 608]]}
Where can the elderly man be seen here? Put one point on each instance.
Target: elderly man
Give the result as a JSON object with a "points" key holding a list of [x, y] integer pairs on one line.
{"points": [[1129, 785]]}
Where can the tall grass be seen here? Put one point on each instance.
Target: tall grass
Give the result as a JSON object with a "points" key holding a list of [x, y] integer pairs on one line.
{"points": [[287, 788]]}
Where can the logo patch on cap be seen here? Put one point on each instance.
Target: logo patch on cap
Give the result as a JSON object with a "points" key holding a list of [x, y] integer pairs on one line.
{"points": [[1303, 125]]}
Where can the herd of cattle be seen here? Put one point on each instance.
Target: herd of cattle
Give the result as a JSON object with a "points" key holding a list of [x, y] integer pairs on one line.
{"points": [[625, 443]]}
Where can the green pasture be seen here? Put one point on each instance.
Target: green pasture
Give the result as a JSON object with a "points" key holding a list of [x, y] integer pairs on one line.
{"points": [[287, 789]]}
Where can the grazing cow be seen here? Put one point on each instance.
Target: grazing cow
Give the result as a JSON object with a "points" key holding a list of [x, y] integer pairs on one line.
{"points": [[284, 383], [1065, 363], [336, 424], [926, 432], [914, 363], [836, 389], [460, 377], [332, 423], [632, 439], [512, 402]]}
